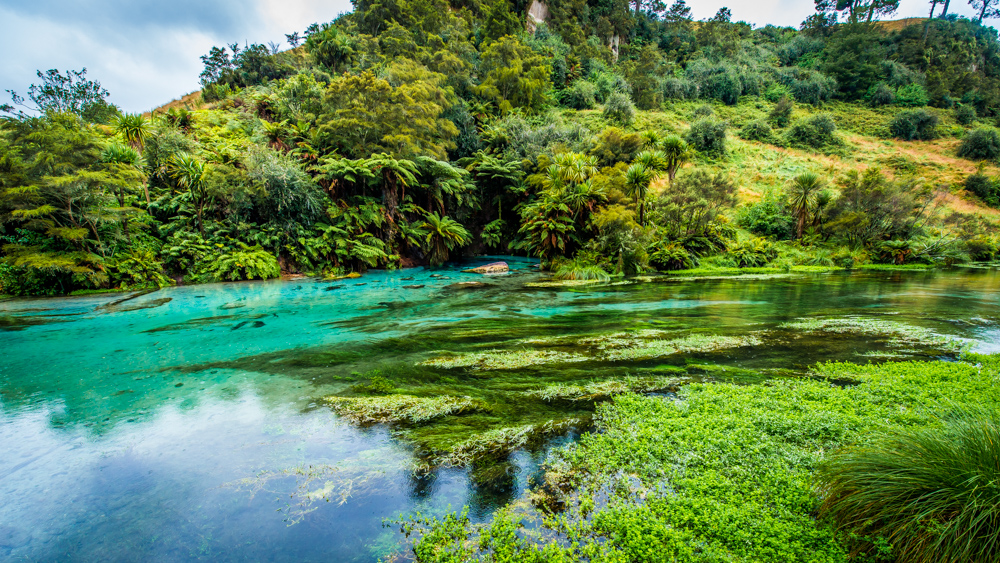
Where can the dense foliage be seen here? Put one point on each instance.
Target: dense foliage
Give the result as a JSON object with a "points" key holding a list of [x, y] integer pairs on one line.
{"points": [[409, 133]]}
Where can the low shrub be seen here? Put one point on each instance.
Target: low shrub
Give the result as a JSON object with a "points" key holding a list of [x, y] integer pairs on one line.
{"points": [[243, 263], [753, 252], [757, 130], [768, 217], [980, 144], [917, 124], [581, 95], [814, 132], [671, 256], [965, 114], [781, 114], [707, 135], [880, 95], [984, 187], [674, 88], [619, 108], [912, 96]]}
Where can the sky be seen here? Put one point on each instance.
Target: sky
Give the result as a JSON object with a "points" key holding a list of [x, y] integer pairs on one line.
{"points": [[146, 53]]}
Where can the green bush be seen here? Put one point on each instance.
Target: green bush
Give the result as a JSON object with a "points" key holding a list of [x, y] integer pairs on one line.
{"points": [[914, 124], [776, 91], [781, 113], [752, 252], [671, 256], [674, 88], [708, 135], [984, 187], [980, 144], [965, 114], [880, 95], [814, 132], [615, 145], [934, 492], [757, 130], [581, 95], [850, 258], [619, 108], [138, 269], [704, 110], [244, 263], [912, 95], [768, 217]]}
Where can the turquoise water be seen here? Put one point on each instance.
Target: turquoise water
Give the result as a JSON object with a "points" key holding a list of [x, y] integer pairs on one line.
{"points": [[189, 423]]}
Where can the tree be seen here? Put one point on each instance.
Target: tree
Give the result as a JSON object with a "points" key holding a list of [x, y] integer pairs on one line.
{"points": [[802, 195], [293, 39], [514, 76], [70, 93], [189, 173], [987, 9], [443, 235], [859, 10], [500, 21], [676, 152], [547, 225], [638, 177], [134, 129]]}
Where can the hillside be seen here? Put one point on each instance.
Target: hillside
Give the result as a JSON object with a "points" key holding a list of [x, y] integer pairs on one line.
{"points": [[607, 144]]}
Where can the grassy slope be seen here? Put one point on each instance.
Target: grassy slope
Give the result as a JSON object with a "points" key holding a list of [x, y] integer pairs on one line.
{"points": [[759, 168]]}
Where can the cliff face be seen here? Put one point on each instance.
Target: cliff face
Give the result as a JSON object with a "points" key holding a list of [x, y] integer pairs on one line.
{"points": [[538, 13]]}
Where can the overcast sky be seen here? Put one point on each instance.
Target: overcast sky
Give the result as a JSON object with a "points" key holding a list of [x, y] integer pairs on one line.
{"points": [[146, 53]]}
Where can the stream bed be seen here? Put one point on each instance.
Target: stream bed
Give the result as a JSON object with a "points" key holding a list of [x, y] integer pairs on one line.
{"points": [[285, 420]]}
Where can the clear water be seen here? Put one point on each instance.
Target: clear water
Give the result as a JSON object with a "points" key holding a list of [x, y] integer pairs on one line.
{"points": [[188, 424]]}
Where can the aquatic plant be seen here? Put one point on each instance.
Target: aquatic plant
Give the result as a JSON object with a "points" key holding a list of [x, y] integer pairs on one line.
{"points": [[902, 334], [503, 359], [399, 408], [933, 493], [599, 390], [694, 343]]}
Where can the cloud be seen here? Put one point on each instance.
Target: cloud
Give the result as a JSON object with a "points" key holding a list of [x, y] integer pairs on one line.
{"points": [[147, 53]]}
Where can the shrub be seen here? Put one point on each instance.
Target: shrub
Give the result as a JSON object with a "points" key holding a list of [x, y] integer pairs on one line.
{"points": [[619, 108], [758, 130], [916, 124], [776, 91], [934, 491], [985, 188], [137, 269], [814, 132], [614, 146], [781, 114], [880, 95], [965, 114], [912, 95], [671, 256], [704, 110], [768, 217], [980, 144], [982, 248], [244, 263], [752, 252], [707, 135], [849, 258], [679, 89], [581, 95]]}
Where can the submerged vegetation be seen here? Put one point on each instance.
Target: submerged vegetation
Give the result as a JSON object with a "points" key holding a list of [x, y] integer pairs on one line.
{"points": [[732, 472]]}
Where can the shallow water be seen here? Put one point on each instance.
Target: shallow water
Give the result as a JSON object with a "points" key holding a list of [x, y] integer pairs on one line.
{"points": [[189, 423]]}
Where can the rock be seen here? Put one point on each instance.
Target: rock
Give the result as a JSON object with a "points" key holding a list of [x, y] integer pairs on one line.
{"points": [[468, 285], [332, 287], [412, 286], [494, 268]]}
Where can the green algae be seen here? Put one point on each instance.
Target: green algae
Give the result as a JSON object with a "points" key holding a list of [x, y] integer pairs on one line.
{"points": [[901, 334], [393, 409], [600, 390], [695, 343], [503, 359]]}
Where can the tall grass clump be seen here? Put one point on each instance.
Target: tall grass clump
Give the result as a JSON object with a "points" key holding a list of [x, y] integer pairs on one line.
{"points": [[932, 493]]}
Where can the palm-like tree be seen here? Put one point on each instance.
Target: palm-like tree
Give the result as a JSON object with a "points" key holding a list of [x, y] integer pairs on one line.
{"points": [[638, 177], [802, 194], [676, 152], [134, 129], [548, 225], [189, 173], [443, 235], [573, 168]]}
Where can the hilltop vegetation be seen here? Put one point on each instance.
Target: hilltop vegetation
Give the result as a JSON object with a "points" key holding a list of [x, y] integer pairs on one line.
{"points": [[608, 140]]}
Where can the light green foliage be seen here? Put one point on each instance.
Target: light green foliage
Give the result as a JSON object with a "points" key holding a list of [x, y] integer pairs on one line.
{"points": [[139, 269], [752, 252], [814, 132], [501, 359], [514, 76], [241, 263], [443, 235], [726, 473]]}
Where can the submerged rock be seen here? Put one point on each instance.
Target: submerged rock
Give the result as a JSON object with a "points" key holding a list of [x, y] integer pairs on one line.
{"points": [[412, 286], [332, 287], [493, 268], [467, 285]]}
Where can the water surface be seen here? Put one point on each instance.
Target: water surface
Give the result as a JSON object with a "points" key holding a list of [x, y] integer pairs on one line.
{"points": [[189, 423]]}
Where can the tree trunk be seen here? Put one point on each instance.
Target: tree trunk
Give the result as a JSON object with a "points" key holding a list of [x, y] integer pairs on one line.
{"points": [[800, 227], [201, 225], [982, 13], [927, 24], [944, 12]]}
